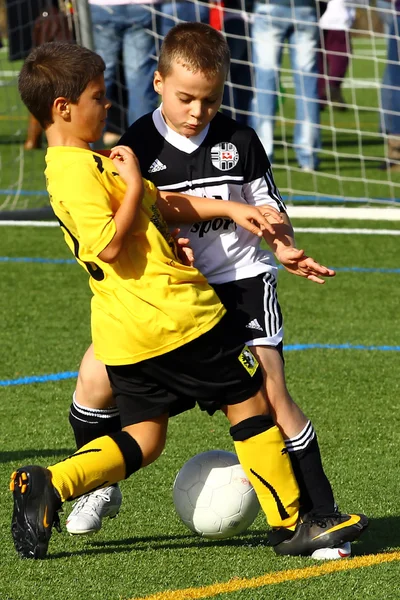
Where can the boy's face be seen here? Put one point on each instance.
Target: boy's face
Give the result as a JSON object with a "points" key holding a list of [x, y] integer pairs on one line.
{"points": [[190, 100], [88, 116]]}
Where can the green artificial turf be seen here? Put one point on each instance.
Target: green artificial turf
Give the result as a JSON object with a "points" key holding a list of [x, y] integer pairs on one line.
{"points": [[350, 394]]}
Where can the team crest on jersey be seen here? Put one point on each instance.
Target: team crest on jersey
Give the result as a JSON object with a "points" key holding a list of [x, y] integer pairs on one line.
{"points": [[248, 360], [224, 156]]}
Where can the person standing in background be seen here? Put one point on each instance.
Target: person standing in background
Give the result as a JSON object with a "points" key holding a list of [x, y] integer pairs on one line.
{"points": [[333, 60], [391, 112], [123, 27], [387, 16], [31, 24], [295, 21], [131, 29], [233, 19]]}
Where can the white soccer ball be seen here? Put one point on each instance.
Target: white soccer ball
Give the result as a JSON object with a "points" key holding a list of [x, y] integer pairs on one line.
{"points": [[213, 496]]}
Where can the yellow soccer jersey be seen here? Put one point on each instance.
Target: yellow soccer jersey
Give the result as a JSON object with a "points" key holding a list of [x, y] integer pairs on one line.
{"points": [[147, 302]]}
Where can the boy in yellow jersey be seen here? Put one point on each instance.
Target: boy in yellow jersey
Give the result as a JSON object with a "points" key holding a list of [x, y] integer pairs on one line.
{"points": [[187, 145], [157, 325]]}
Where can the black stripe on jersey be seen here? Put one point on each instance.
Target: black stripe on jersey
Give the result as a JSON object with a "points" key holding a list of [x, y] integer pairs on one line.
{"points": [[273, 190], [94, 270], [99, 163], [203, 182]]}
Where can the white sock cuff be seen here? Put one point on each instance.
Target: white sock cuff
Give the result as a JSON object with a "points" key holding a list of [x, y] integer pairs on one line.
{"points": [[100, 413], [302, 439]]}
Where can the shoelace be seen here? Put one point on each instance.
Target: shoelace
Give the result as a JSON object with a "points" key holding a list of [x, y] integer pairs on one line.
{"points": [[91, 507]]}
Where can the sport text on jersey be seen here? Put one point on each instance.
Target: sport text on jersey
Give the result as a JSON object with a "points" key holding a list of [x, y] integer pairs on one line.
{"points": [[212, 225]]}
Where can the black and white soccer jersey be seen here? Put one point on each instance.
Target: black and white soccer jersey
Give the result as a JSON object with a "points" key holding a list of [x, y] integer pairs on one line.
{"points": [[225, 161]]}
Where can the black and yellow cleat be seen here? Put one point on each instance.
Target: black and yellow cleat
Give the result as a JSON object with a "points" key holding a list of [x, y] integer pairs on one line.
{"points": [[36, 503], [319, 531]]}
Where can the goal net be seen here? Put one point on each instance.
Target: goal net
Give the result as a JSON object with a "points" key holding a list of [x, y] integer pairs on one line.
{"points": [[347, 148]]}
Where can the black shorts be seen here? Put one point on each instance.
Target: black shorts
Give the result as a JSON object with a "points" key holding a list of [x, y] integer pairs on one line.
{"points": [[213, 370], [253, 309]]}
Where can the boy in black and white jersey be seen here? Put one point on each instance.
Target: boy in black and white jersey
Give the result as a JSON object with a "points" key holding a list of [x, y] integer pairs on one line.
{"points": [[186, 145]]}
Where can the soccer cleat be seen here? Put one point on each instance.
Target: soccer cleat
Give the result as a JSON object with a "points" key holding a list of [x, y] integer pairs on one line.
{"points": [[89, 511], [314, 532], [36, 503], [343, 551]]}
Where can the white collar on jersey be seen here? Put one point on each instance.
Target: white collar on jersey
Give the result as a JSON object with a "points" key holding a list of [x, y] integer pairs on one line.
{"points": [[177, 140]]}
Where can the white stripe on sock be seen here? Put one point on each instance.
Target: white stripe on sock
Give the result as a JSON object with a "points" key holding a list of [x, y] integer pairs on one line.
{"points": [[302, 439], [104, 413]]}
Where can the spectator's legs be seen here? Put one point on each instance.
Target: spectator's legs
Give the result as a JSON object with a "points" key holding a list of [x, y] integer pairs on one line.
{"points": [[386, 15], [174, 12], [139, 59], [338, 49], [322, 61], [238, 96], [271, 23], [107, 35], [34, 134], [393, 75], [304, 42]]}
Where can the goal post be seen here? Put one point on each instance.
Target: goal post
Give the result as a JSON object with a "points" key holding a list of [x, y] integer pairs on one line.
{"points": [[354, 137]]}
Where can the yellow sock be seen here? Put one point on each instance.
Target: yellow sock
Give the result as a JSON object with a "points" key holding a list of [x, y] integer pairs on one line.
{"points": [[98, 464], [270, 473]]}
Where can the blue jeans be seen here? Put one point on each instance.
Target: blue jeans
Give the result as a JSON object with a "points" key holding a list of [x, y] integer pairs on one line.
{"points": [[238, 96], [388, 19], [174, 12], [273, 24], [121, 29], [391, 119]]}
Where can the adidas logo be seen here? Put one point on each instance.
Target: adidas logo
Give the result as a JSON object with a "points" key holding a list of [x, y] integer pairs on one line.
{"points": [[254, 324], [156, 166]]}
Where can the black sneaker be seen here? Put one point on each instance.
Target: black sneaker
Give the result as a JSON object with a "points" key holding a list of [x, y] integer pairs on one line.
{"points": [[320, 531], [36, 503]]}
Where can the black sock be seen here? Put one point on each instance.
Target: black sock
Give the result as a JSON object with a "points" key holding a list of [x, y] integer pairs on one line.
{"points": [[89, 424], [316, 493]]}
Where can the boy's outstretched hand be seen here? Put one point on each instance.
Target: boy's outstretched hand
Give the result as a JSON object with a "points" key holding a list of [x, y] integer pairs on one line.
{"points": [[297, 263], [253, 219]]}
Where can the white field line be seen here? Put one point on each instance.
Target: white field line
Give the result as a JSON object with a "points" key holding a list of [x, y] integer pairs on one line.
{"points": [[29, 223], [342, 212], [346, 231], [9, 73]]}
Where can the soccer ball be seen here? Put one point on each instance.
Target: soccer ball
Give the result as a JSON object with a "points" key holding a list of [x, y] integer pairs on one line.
{"points": [[213, 496]]}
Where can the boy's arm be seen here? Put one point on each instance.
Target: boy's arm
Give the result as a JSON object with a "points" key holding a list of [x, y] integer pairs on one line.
{"points": [[293, 260], [183, 208], [262, 191], [127, 166]]}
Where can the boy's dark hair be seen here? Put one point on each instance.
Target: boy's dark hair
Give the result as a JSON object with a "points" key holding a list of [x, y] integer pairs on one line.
{"points": [[198, 46], [53, 70]]}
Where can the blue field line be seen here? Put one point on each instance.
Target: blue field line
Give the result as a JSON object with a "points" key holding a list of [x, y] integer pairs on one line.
{"points": [[288, 348], [71, 261], [39, 378]]}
